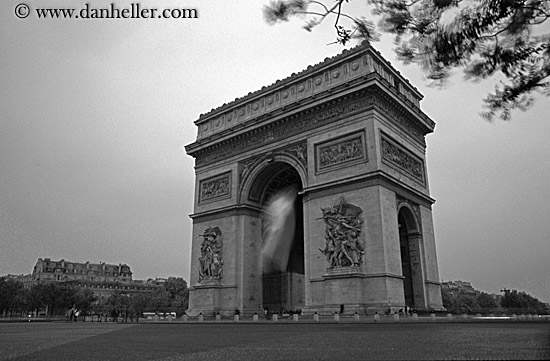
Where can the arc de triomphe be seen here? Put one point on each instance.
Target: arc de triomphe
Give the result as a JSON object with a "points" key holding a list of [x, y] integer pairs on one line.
{"points": [[345, 139]]}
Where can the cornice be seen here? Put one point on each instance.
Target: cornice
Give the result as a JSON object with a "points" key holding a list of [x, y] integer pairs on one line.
{"points": [[367, 96], [377, 177], [233, 210], [330, 76]]}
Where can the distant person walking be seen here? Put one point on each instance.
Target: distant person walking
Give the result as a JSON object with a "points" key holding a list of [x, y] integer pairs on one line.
{"points": [[71, 313]]}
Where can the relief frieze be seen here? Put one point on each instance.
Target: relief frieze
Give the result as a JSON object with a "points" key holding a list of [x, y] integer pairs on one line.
{"points": [[299, 151], [343, 225], [302, 123], [216, 187], [398, 156], [246, 166], [388, 108], [340, 151], [211, 261], [285, 129]]}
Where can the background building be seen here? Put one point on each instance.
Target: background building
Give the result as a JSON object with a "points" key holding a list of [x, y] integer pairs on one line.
{"points": [[48, 270], [459, 287], [101, 278]]}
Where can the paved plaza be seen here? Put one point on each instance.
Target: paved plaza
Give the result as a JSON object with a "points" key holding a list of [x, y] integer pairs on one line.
{"points": [[274, 341]]}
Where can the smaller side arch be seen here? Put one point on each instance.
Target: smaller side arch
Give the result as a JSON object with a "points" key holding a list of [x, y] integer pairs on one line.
{"points": [[412, 256], [407, 216]]}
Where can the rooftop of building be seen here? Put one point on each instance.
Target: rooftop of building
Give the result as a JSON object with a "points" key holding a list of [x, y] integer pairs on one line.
{"points": [[83, 265]]}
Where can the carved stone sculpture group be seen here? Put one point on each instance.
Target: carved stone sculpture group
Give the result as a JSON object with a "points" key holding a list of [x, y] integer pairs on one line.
{"points": [[211, 262], [342, 229]]}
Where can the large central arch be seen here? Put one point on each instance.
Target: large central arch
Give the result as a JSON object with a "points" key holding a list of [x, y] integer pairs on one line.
{"points": [[277, 186], [264, 181]]}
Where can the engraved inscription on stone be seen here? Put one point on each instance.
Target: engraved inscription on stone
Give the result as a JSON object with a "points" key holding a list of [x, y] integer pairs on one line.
{"points": [[340, 151], [398, 156], [217, 187]]}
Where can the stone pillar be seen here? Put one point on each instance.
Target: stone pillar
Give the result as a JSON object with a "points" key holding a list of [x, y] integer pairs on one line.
{"points": [[417, 270]]}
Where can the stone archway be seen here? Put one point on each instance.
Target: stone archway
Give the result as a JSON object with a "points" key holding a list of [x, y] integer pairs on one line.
{"points": [[410, 237], [348, 130], [276, 188]]}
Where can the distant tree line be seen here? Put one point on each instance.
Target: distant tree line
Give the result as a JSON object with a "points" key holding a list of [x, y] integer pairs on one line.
{"points": [[511, 301], [55, 299], [519, 301]]}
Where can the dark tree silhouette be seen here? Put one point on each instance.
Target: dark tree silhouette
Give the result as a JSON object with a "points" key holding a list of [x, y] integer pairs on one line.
{"points": [[507, 39], [486, 301], [520, 301], [179, 294], [10, 295]]}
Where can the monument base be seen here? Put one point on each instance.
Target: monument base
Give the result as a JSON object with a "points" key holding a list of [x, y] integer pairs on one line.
{"points": [[211, 298], [347, 290]]}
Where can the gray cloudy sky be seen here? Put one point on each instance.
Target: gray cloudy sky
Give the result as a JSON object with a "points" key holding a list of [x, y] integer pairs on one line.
{"points": [[94, 115]]}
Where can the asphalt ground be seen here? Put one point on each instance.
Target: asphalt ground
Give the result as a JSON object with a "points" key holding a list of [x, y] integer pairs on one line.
{"points": [[274, 341]]}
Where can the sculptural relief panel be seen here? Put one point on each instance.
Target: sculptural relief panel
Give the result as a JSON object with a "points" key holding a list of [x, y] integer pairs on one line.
{"points": [[305, 122], [341, 151], [215, 188], [211, 260], [397, 156], [343, 225], [286, 129]]}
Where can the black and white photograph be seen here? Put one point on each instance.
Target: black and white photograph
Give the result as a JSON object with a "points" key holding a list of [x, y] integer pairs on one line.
{"points": [[274, 179]]}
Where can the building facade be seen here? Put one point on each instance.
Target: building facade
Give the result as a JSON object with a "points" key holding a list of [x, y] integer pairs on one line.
{"points": [[101, 278], [50, 270], [459, 287]]}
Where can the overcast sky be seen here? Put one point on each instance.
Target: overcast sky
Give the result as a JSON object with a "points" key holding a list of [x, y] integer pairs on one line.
{"points": [[94, 115]]}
